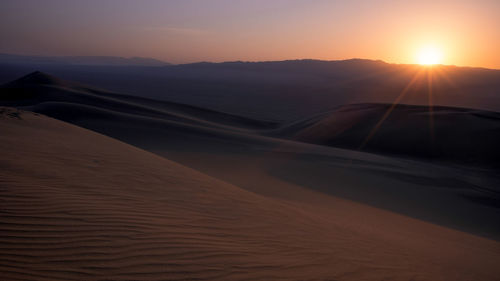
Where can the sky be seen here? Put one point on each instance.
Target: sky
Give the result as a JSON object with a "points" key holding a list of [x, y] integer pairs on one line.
{"points": [[466, 33]]}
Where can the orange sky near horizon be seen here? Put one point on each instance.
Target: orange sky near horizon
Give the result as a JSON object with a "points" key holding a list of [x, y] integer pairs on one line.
{"points": [[466, 32]]}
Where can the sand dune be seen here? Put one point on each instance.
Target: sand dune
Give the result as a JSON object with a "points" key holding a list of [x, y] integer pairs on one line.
{"points": [[466, 136], [247, 152], [39, 88], [77, 205]]}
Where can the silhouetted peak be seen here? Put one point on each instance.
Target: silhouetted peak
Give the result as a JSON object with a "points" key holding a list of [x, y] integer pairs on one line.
{"points": [[39, 78]]}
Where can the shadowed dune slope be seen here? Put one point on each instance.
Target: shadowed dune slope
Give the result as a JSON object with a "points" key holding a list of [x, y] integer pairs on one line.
{"points": [[446, 134], [145, 123], [443, 134], [40, 89], [77, 205]]}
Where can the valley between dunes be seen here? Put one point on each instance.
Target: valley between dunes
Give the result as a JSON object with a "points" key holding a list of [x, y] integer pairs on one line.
{"points": [[77, 205]]}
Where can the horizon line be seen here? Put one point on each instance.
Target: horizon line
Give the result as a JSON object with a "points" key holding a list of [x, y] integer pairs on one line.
{"points": [[167, 63]]}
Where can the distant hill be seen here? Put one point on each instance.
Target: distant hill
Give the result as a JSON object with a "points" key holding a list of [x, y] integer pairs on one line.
{"points": [[81, 60], [285, 90]]}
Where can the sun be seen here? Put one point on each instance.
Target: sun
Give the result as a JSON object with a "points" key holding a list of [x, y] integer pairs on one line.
{"points": [[430, 56]]}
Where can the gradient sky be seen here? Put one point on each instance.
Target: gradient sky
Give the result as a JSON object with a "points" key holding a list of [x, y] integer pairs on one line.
{"points": [[179, 31]]}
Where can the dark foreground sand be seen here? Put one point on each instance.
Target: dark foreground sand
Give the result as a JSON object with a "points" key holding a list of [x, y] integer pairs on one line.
{"points": [[77, 205]]}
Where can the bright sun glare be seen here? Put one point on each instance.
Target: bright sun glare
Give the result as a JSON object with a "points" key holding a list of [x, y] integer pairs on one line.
{"points": [[429, 56]]}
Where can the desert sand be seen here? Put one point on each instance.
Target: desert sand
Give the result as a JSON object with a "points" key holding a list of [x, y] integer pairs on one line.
{"points": [[411, 174], [129, 188], [77, 205]]}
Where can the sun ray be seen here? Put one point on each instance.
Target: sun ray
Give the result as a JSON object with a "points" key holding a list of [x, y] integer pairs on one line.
{"points": [[388, 112], [442, 73], [430, 77]]}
